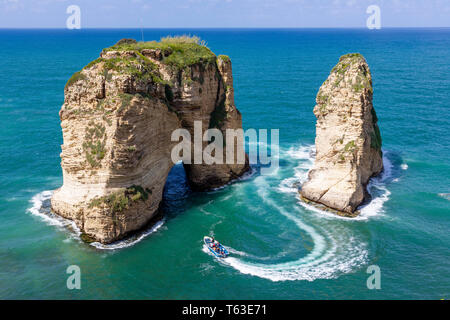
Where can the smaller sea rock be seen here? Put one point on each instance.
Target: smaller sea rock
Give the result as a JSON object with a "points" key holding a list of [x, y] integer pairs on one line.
{"points": [[348, 141]]}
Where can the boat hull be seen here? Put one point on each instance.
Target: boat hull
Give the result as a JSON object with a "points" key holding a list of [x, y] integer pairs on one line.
{"points": [[208, 242]]}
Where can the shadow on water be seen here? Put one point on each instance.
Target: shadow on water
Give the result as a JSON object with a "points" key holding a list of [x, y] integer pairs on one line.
{"points": [[178, 197], [177, 192]]}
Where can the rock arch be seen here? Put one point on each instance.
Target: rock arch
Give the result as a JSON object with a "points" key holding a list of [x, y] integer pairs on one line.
{"points": [[117, 119]]}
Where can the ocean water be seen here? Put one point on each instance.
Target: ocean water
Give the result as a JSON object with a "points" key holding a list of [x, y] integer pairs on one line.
{"points": [[281, 249]]}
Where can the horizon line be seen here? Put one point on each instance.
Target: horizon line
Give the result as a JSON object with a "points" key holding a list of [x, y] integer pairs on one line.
{"points": [[216, 28]]}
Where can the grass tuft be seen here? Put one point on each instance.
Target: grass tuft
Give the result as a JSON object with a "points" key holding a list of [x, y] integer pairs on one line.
{"points": [[224, 58], [94, 144], [179, 51], [122, 199], [74, 78]]}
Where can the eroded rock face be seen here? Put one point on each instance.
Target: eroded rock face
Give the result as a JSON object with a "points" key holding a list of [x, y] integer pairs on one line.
{"points": [[348, 141], [117, 119]]}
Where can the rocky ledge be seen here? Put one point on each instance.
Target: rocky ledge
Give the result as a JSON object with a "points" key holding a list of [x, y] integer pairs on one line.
{"points": [[117, 119], [348, 141]]}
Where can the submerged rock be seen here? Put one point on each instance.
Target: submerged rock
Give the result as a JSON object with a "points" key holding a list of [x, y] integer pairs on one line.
{"points": [[348, 141], [117, 119]]}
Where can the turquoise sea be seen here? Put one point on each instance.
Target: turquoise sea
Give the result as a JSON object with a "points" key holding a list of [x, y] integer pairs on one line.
{"points": [[280, 248]]}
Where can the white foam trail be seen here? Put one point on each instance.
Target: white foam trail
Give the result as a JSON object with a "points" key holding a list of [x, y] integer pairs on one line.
{"points": [[404, 166], [378, 191], [304, 153], [335, 251], [37, 202], [321, 263], [375, 206], [329, 257], [444, 195], [376, 186], [206, 212], [236, 252], [226, 197], [130, 241], [329, 266]]}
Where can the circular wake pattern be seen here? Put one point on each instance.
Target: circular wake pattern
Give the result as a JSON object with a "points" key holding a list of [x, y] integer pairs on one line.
{"points": [[338, 248], [334, 253]]}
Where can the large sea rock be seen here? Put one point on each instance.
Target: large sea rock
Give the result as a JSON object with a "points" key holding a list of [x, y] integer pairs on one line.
{"points": [[348, 141], [117, 119]]}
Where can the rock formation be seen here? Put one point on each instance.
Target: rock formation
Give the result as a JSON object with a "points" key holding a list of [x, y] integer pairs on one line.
{"points": [[348, 141], [117, 119]]}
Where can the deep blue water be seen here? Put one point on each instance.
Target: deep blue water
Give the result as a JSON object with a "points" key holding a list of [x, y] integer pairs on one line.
{"points": [[281, 249]]}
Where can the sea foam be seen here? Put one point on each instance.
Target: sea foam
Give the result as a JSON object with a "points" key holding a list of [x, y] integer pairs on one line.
{"points": [[334, 251], [131, 241], [376, 187], [41, 208]]}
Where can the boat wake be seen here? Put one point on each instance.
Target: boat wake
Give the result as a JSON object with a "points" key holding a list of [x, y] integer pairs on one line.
{"points": [[338, 248], [444, 195], [335, 252]]}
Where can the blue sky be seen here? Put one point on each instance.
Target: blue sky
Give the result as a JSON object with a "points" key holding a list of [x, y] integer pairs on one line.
{"points": [[223, 13]]}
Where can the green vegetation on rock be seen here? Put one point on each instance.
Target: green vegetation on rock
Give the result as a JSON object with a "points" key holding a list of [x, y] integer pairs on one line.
{"points": [[344, 64], [122, 199], [362, 82], [93, 62], [352, 56], [340, 68], [74, 78], [224, 58], [87, 238], [350, 147], [322, 101], [140, 67], [125, 98], [178, 51], [94, 143]]}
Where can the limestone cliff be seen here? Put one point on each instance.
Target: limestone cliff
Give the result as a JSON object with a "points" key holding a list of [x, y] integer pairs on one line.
{"points": [[348, 141], [117, 119]]}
